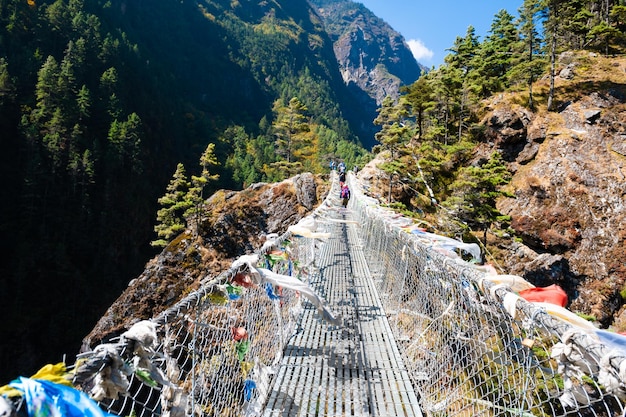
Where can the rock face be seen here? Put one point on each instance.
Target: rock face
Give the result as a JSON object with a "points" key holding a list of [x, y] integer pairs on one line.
{"points": [[570, 194], [370, 53], [374, 60], [568, 213], [235, 223]]}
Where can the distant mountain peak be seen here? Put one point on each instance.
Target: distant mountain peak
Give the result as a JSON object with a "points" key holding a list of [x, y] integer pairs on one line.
{"points": [[371, 54]]}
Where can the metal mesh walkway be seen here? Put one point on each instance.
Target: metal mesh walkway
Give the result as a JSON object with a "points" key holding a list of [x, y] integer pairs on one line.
{"points": [[353, 370]]}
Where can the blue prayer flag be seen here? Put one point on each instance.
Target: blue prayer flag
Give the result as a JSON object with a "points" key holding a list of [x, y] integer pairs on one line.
{"points": [[48, 399]]}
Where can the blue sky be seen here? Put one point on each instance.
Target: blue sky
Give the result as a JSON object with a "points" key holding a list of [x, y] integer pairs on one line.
{"points": [[430, 27]]}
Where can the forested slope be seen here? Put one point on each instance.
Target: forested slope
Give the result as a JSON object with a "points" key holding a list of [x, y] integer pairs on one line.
{"points": [[101, 100]]}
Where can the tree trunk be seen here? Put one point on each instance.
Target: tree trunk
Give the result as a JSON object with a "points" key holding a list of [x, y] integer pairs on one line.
{"points": [[554, 17], [531, 77], [462, 109], [552, 70]]}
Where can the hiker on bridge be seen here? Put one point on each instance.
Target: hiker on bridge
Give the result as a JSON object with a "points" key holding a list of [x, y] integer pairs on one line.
{"points": [[344, 195]]}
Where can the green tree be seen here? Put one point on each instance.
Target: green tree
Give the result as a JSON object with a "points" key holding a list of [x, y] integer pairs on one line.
{"points": [[394, 131], [242, 160], [618, 18], [108, 85], [83, 102], [527, 67], [195, 195], [603, 35], [462, 63], [463, 51], [291, 129], [419, 95], [447, 85], [124, 141], [552, 25], [7, 85], [575, 20], [475, 192], [55, 138], [46, 90], [174, 204], [496, 53], [59, 17]]}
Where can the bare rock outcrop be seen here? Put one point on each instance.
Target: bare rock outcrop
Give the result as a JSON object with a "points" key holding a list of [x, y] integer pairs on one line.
{"points": [[570, 196]]}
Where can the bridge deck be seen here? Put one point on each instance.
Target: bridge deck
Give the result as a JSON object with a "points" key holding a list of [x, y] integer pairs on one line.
{"points": [[353, 370]]}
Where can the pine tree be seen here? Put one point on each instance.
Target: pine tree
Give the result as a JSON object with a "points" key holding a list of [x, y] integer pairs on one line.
{"points": [[420, 97], [447, 84], [290, 129], [7, 87], [124, 141], [46, 90], [394, 132], [462, 63], [528, 66], [496, 53], [575, 22], [83, 102], [551, 16], [195, 195], [475, 191], [174, 204]]}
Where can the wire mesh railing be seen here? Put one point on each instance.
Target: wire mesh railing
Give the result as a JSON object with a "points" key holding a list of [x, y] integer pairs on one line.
{"points": [[471, 344]]}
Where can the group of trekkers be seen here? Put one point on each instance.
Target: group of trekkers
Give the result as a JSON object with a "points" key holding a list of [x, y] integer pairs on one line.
{"points": [[344, 193]]}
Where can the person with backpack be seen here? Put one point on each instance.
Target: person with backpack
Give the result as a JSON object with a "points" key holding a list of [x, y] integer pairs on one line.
{"points": [[344, 195]]}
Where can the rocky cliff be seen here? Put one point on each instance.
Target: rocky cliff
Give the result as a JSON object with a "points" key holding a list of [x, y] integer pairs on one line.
{"points": [[371, 54], [569, 209]]}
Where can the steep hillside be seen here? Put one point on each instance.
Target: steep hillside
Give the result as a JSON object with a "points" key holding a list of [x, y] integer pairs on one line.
{"points": [[236, 224]]}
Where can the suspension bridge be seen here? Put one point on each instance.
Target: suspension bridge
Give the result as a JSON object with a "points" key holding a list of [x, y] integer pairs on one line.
{"points": [[356, 312]]}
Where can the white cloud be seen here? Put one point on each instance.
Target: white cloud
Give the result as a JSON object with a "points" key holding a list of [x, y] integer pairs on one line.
{"points": [[419, 50]]}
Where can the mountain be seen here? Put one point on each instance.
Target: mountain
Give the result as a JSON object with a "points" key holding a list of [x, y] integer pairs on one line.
{"points": [[373, 58], [99, 102], [371, 54]]}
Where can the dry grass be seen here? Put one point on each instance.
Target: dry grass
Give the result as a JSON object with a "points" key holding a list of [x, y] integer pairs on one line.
{"points": [[592, 74]]}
